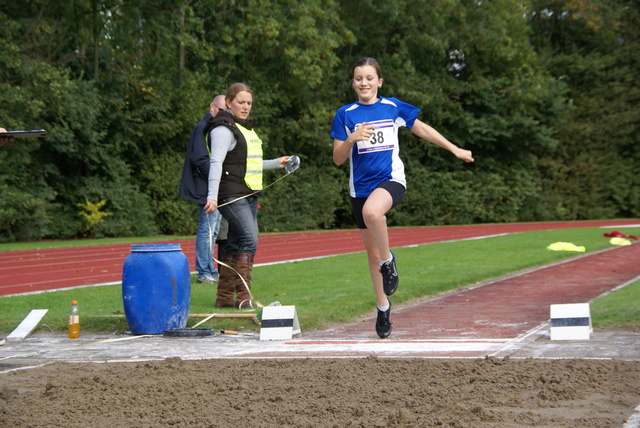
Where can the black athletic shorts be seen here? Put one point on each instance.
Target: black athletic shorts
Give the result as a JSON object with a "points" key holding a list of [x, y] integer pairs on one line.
{"points": [[396, 190]]}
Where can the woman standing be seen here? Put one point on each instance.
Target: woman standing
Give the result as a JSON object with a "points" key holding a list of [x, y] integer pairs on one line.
{"points": [[235, 178], [366, 133]]}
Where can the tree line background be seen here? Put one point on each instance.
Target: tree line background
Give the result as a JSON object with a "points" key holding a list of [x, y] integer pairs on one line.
{"points": [[544, 92]]}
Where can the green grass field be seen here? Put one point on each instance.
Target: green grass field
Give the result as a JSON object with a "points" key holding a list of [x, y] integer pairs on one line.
{"points": [[338, 289]]}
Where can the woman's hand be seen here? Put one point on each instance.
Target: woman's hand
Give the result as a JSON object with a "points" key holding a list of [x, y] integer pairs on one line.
{"points": [[210, 206], [464, 155], [5, 140], [362, 132], [341, 149], [283, 160]]}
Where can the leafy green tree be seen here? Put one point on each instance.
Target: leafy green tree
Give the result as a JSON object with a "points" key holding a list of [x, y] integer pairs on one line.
{"points": [[543, 91], [93, 216], [591, 47]]}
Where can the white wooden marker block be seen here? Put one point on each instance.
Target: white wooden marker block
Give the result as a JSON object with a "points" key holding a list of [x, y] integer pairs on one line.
{"points": [[279, 323], [570, 322], [26, 327]]}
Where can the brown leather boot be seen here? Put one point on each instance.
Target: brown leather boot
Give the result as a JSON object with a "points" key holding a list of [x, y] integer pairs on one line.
{"points": [[244, 266], [226, 279]]}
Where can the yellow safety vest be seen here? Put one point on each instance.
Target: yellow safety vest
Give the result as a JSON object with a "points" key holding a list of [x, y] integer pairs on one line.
{"points": [[253, 176]]}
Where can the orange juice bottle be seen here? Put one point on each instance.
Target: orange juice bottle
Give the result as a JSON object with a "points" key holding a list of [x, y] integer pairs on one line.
{"points": [[74, 321]]}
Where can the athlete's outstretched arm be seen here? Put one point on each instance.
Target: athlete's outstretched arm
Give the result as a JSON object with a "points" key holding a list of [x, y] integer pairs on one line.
{"points": [[429, 134]]}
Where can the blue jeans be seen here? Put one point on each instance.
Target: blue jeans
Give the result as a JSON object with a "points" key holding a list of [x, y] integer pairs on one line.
{"points": [[243, 229], [208, 227]]}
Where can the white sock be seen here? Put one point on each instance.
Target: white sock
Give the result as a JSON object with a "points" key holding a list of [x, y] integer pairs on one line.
{"points": [[386, 261], [384, 309]]}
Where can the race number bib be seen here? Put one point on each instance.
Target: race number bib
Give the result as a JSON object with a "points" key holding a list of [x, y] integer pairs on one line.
{"points": [[383, 138]]}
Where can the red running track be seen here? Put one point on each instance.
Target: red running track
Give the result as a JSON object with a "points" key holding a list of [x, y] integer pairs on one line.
{"points": [[51, 269]]}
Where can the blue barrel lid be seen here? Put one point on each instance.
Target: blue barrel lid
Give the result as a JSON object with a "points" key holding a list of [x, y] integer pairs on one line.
{"points": [[146, 248]]}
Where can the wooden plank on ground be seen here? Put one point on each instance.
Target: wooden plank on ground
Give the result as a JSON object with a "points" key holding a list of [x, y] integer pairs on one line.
{"points": [[28, 324]]}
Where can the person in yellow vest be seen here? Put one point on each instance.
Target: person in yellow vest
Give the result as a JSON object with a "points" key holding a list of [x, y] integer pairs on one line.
{"points": [[235, 178]]}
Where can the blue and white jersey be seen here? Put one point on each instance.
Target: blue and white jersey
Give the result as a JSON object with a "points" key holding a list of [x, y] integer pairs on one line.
{"points": [[376, 160]]}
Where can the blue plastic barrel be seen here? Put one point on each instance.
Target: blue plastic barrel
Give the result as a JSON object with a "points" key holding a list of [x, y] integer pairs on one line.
{"points": [[156, 288]]}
